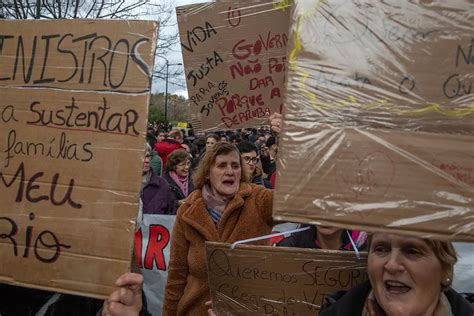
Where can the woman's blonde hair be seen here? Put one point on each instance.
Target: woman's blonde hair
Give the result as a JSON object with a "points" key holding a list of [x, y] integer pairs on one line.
{"points": [[446, 254], [201, 175]]}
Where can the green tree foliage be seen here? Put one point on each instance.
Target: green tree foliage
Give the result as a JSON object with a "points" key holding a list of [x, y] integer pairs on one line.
{"points": [[155, 115], [178, 107]]}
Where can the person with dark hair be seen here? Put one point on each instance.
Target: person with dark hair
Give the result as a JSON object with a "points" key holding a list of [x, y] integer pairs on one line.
{"points": [[177, 174], [252, 136], [150, 136], [223, 138], [211, 141], [160, 136], [268, 155], [248, 152], [260, 140], [168, 145]]}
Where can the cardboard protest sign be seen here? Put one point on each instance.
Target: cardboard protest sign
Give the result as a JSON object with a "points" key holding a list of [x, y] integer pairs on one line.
{"points": [[152, 251], [73, 103], [235, 61], [251, 280], [378, 131], [182, 125]]}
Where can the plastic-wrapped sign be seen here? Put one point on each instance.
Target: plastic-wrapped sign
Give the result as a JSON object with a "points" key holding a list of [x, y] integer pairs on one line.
{"points": [[235, 61], [250, 280], [378, 128]]}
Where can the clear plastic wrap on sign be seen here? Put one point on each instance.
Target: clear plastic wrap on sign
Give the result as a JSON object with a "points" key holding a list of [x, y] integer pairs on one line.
{"points": [[234, 55], [256, 280], [378, 129]]}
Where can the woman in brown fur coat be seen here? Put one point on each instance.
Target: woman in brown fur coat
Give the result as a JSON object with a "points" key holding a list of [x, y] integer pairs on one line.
{"points": [[223, 208]]}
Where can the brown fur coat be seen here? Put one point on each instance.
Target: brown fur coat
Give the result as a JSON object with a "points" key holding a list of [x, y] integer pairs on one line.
{"points": [[248, 214]]}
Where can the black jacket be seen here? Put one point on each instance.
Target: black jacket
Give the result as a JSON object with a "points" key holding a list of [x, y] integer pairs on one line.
{"points": [[158, 197], [20, 301], [268, 165], [175, 187], [352, 302]]}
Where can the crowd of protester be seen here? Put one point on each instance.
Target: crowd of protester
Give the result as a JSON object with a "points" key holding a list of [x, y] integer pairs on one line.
{"points": [[220, 187], [223, 182]]}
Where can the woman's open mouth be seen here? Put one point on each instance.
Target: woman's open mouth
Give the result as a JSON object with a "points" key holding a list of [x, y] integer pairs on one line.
{"points": [[228, 182], [396, 287]]}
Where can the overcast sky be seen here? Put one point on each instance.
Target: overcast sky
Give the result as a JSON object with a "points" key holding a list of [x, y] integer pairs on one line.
{"points": [[175, 57]]}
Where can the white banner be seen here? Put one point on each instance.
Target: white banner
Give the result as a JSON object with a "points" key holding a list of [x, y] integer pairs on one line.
{"points": [[152, 250]]}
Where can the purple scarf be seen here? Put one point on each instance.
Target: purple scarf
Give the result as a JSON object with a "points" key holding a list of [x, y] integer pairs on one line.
{"points": [[182, 182], [215, 203]]}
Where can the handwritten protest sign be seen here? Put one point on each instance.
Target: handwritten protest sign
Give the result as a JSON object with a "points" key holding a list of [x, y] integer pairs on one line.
{"points": [[379, 123], [182, 125], [73, 105], [235, 61], [253, 280]]}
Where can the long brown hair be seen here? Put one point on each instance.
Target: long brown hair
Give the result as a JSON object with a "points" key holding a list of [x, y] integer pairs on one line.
{"points": [[175, 158]]}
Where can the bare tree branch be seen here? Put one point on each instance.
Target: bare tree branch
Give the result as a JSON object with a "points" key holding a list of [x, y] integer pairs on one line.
{"points": [[48, 8], [66, 10], [59, 8], [100, 8], [162, 10], [76, 9], [21, 9], [89, 13]]}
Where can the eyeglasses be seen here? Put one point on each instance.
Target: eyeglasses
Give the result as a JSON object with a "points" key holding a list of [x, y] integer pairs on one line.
{"points": [[184, 164], [254, 160]]}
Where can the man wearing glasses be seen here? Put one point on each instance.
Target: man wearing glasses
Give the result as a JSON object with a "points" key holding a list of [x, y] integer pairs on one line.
{"points": [[248, 152]]}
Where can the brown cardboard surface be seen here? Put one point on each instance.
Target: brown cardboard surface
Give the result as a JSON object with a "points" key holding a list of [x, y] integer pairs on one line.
{"points": [[71, 152], [378, 128], [235, 61], [257, 280]]}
